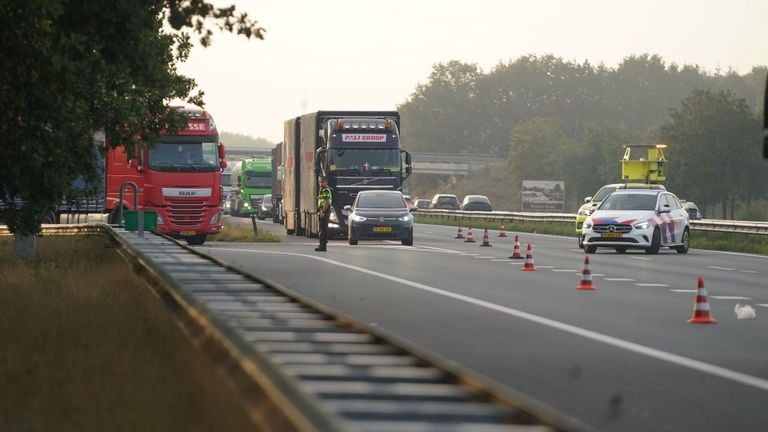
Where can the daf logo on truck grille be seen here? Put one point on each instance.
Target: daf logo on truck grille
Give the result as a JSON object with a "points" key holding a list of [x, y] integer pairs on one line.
{"points": [[187, 192]]}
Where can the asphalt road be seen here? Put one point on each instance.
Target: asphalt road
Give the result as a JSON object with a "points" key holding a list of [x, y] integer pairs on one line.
{"points": [[621, 358]]}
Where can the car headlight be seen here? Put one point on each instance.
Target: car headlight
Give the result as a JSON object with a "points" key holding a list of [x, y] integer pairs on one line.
{"points": [[405, 218], [333, 218], [642, 225], [588, 225], [216, 218], [358, 218], [246, 205], [583, 211]]}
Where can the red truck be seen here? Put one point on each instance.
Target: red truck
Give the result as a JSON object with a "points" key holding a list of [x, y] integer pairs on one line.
{"points": [[178, 177]]}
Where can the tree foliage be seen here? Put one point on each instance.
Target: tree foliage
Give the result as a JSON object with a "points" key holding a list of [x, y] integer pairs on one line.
{"points": [[72, 68], [714, 152], [559, 120]]}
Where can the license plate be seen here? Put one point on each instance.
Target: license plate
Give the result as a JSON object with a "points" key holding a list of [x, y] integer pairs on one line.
{"points": [[188, 233], [382, 229], [612, 235]]}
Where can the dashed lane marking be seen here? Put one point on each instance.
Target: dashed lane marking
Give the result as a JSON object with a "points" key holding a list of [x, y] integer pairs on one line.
{"points": [[620, 279], [563, 270], [683, 290], [721, 268], [730, 297], [666, 356], [765, 305], [652, 284]]}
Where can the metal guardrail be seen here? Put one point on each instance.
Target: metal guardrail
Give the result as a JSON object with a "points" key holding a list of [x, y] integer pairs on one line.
{"points": [[714, 225], [301, 366], [453, 157]]}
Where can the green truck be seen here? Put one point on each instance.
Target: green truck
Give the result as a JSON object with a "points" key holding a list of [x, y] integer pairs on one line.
{"points": [[251, 180]]}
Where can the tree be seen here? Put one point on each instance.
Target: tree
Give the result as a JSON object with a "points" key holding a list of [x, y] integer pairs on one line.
{"points": [[713, 153], [535, 152], [72, 68], [442, 116]]}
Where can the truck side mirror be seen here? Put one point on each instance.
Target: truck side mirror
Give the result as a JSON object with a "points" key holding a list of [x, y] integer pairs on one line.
{"points": [[407, 158], [222, 163]]}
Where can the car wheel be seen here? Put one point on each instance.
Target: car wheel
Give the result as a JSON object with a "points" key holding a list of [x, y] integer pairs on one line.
{"points": [[655, 243], [621, 249], [590, 249], [581, 242], [686, 242], [408, 241], [352, 240]]}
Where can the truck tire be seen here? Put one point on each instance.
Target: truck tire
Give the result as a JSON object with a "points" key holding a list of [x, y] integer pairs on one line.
{"points": [[196, 240], [114, 215]]}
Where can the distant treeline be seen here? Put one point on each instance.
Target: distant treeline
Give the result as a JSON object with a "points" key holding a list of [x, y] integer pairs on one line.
{"points": [[559, 120], [230, 139]]}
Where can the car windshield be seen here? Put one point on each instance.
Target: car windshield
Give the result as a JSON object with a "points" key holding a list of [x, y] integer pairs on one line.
{"points": [[380, 200], [629, 202], [604, 192]]}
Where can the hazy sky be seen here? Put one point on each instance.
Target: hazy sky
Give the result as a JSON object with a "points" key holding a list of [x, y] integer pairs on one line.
{"points": [[336, 54]]}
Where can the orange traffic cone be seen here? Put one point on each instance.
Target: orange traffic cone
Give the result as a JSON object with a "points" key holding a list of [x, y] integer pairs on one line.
{"points": [[486, 242], [528, 265], [516, 250], [701, 313], [586, 277], [469, 239], [502, 233], [459, 235]]}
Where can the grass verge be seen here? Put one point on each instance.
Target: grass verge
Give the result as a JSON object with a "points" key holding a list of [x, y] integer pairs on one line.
{"points": [[732, 242], [238, 233], [88, 347]]}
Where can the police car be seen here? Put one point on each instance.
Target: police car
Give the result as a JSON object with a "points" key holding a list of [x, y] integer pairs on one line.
{"points": [[592, 202], [638, 219]]}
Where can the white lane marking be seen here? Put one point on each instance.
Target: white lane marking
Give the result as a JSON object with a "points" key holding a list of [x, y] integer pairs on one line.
{"points": [[620, 279], [594, 274], [500, 260], [484, 257], [683, 290], [721, 268], [657, 354], [640, 258], [436, 249], [652, 284], [563, 270], [468, 254], [541, 267], [749, 271], [730, 297], [763, 305]]}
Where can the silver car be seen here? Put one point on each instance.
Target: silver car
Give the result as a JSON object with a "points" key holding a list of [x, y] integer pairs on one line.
{"points": [[380, 215], [641, 219]]}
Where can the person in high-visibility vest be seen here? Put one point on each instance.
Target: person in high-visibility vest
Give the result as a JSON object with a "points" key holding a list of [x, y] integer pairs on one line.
{"points": [[323, 212]]}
